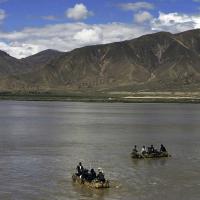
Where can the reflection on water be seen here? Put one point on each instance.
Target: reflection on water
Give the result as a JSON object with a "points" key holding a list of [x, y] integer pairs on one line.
{"points": [[42, 142]]}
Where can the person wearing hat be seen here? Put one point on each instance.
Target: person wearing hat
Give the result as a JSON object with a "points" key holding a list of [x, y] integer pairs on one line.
{"points": [[100, 176]]}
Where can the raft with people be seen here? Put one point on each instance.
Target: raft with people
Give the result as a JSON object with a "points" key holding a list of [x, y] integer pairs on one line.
{"points": [[90, 179], [150, 152]]}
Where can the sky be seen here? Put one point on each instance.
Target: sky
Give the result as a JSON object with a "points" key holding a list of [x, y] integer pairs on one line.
{"points": [[30, 26]]}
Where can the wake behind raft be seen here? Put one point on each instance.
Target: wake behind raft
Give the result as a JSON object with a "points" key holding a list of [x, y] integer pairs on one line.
{"points": [[90, 179]]}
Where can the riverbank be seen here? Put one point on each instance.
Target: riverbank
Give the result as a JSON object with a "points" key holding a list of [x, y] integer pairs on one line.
{"points": [[110, 98]]}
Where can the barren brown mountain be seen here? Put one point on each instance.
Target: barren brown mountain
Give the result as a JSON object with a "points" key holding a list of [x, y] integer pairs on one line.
{"points": [[160, 61]]}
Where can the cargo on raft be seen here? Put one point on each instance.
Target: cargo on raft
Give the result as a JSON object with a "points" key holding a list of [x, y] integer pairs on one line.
{"points": [[137, 155], [92, 184]]}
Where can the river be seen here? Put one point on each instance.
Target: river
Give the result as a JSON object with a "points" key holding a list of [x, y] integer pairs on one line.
{"points": [[42, 142]]}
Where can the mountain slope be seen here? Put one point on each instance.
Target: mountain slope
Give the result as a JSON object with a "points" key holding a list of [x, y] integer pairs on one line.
{"points": [[40, 59], [159, 61], [10, 65], [160, 58]]}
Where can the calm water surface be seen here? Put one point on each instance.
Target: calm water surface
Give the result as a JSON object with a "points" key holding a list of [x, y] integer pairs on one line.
{"points": [[42, 142]]}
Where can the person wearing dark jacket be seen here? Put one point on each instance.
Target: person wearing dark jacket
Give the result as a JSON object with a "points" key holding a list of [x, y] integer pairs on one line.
{"points": [[135, 149], [93, 174], [162, 148], [100, 176], [79, 169], [85, 175], [152, 149]]}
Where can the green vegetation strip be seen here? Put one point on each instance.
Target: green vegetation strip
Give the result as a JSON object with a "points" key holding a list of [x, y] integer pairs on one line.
{"points": [[97, 97]]}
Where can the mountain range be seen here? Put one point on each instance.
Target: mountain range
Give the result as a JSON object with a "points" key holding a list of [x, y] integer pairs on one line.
{"points": [[156, 62]]}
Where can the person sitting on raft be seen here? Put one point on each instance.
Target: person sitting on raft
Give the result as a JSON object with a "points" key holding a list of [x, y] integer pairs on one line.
{"points": [[143, 151], [162, 148], [85, 175], [100, 176], [92, 175], [135, 152], [135, 149], [79, 169], [151, 149]]}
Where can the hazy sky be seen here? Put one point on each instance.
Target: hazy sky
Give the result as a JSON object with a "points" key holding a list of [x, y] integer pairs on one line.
{"points": [[30, 26]]}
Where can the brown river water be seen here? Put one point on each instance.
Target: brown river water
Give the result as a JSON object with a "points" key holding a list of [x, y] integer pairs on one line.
{"points": [[42, 142]]}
